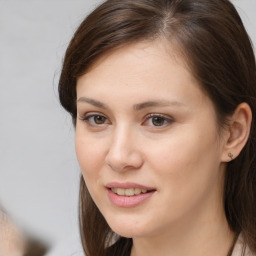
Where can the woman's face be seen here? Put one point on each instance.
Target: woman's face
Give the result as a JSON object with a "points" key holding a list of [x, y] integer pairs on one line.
{"points": [[147, 142]]}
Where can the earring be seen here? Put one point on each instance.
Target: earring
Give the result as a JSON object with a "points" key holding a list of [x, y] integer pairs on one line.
{"points": [[230, 155]]}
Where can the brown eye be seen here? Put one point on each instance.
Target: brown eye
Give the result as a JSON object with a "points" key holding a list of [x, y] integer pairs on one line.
{"points": [[95, 120], [99, 119], [158, 121]]}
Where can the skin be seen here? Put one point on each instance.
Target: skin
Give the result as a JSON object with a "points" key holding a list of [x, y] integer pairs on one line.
{"points": [[11, 242], [184, 158]]}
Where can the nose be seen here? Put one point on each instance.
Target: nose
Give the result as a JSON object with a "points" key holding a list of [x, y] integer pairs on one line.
{"points": [[124, 151]]}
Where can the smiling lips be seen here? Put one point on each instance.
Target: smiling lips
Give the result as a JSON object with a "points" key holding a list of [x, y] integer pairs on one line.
{"points": [[128, 194], [128, 191]]}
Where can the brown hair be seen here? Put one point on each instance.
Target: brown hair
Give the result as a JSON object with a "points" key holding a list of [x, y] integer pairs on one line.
{"points": [[212, 39]]}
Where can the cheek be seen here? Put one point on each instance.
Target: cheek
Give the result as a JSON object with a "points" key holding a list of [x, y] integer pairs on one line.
{"points": [[90, 162], [188, 161], [187, 174], [190, 146], [89, 154]]}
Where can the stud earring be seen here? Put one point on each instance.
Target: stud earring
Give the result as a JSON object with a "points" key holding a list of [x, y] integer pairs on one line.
{"points": [[230, 155]]}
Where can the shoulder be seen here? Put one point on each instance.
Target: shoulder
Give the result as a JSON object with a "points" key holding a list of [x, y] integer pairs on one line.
{"points": [[240, 248]]}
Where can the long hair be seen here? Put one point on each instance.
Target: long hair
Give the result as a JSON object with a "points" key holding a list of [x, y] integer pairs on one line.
{"points": [[216, 47]]}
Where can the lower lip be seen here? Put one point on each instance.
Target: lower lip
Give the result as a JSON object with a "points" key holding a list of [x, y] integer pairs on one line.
{"points": [[128, 201]]}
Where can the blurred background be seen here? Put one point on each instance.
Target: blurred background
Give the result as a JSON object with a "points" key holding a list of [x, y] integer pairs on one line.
{"points": [[39, 174]]}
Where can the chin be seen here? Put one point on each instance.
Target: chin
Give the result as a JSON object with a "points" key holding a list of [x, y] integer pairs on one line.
{"points": [[129, 228], [130, 232]]}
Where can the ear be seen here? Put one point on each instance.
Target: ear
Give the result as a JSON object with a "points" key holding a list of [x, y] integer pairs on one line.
{"points": [[238, 132]]}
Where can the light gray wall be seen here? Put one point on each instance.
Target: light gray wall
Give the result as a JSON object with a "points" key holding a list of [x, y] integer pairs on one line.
{"points": [[38, 168]]}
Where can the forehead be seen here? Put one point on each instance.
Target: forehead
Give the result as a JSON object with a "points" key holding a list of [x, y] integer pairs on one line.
{"points": [[141, 49], [148, 56], [143, 65]]}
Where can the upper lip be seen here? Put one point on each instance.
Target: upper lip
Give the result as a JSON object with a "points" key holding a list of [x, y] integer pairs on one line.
{"points": [[127, 185]]}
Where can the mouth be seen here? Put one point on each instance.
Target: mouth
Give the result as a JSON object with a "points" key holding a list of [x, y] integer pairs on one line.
{"points": [[129, 191], [128, 195]]}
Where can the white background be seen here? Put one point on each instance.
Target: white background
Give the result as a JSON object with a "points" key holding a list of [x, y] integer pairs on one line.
{"points": [[39, 174]]}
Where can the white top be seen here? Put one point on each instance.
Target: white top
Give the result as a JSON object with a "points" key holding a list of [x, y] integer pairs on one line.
{"points": [[238, 249]]}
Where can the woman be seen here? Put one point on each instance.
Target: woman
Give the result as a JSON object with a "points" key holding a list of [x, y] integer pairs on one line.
{"points": [[163, 97]]}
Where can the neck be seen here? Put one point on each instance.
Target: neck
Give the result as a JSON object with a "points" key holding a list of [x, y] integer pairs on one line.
{"points": [[195, 238]]}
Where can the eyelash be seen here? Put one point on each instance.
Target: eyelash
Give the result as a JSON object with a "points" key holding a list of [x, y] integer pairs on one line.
{"points": [[87, 118], [165, 119]]}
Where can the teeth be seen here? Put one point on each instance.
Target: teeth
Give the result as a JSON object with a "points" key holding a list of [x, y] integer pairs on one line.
{"points": [[128, 191], [137, 191], [120, 191]]}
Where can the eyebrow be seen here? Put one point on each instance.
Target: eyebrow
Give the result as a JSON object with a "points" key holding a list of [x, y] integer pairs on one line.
{"points": [[161, 103], [95, 103], [137, 107]]}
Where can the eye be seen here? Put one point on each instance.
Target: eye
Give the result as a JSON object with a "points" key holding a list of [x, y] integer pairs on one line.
{"points": [[157, 120], [95, 119], [98, 119]]}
